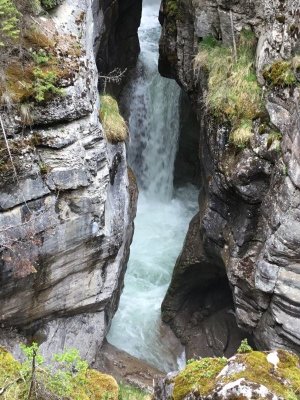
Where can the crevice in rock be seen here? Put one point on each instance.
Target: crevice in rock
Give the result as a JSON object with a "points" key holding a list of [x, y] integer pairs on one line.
{"points": [[187, 164]]}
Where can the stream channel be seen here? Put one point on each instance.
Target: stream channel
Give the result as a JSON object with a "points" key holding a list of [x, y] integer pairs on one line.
{"points": [[163, 212]]}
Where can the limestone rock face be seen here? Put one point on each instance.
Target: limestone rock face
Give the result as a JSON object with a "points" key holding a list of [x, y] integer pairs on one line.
{"points": [[247, 229], [66, 219]]}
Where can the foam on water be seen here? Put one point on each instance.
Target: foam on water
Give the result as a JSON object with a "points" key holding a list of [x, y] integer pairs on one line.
{"points": [[163, 214]]}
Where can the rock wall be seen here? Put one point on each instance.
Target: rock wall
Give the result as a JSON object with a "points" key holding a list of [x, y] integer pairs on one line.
{"points": [[119, 43], [67, 211], [247, 231]]}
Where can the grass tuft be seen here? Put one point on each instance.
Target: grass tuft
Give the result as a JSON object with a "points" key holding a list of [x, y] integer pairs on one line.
{"points": [[241, 136], [114, 125], [127, 392], [233, 91]]}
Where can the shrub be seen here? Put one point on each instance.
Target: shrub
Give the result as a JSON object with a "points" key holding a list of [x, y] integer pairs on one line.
{"points": [[68, 376], [9, 22], [44, 85], [49, 4], [114, 125], [244, 347]]}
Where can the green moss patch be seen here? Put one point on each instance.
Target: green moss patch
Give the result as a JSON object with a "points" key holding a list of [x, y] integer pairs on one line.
{"points": [[283, 380], [203, 376], [280, 73], [198, 376]]}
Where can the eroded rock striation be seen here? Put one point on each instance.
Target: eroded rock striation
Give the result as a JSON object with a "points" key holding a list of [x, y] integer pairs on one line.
{"points": [[67, 210], [244, 242]]}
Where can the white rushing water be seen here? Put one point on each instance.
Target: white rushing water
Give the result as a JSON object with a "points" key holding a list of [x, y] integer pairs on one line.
{"points": [[163, 214]]}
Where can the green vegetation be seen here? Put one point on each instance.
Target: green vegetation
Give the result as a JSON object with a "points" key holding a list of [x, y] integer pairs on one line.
{"points": [[114, 125], [202, 376], [233, 92], [274, 137], [198, 375], [172, 11], [241, 136], [280, 73], [127, 392], [67, 377], [284, 381], [49, 4], [32, 66], [43, 85], [244, 347], [9, 22]]}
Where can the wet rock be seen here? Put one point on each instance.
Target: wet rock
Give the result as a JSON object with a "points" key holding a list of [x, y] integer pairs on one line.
{"points": [[246, 232], [126, 368]]}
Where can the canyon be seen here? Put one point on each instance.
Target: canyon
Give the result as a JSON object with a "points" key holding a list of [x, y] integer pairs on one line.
{"points": [[67, 206]]}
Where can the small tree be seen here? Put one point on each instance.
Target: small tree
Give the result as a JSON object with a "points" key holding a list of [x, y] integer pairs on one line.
{"points": [[9, 22]]}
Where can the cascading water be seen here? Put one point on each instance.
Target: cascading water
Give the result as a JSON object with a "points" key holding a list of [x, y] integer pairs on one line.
{"points": [[163, 214]]}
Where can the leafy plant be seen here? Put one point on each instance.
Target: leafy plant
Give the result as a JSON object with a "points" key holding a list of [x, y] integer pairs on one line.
{"points": [[9, 22], [43, 85], [40, 57], [244, 347], [49, 4]]}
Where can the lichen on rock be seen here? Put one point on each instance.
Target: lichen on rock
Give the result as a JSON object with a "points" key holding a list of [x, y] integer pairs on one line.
{"points": [[244, 376]]}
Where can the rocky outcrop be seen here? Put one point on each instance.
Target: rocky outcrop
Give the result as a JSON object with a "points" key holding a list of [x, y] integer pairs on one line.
{"points": [[247, 230], [252, 375], [67, 208]]}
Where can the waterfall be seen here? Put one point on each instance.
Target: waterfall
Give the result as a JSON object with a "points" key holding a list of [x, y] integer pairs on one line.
{"points": [[163, 214]]}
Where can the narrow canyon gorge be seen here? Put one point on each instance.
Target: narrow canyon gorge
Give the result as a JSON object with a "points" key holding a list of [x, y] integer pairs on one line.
{"points": [[179, 240]]}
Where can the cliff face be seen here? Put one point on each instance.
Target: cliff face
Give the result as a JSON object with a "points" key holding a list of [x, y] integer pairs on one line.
{"points": [[118, 40], [247, 231], [67, 210]]}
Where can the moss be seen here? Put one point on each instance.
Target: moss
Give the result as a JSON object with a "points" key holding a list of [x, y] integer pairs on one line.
{"points": [[274, 137], [198, 376], [262, 129], [280, 73], [95, 386], [202, 376], [114, 125], [172, 11], [9, 367], [284, 380]]}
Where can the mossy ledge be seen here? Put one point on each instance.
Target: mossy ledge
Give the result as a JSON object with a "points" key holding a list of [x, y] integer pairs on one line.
{"points": [[277, 372]]}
